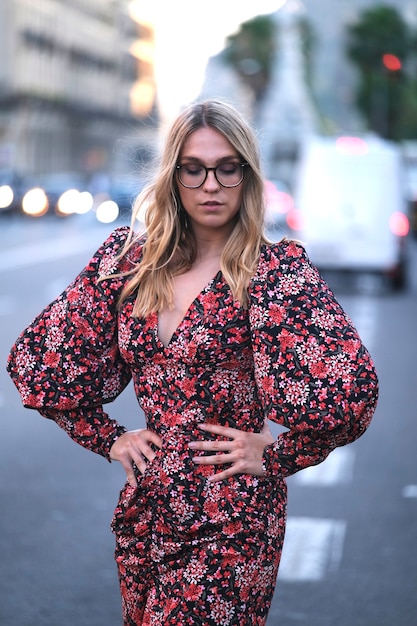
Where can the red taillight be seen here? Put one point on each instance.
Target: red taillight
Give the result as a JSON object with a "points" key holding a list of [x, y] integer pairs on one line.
{"points": [[277, 201], [399, 224], [294, 219], [351, 145]]}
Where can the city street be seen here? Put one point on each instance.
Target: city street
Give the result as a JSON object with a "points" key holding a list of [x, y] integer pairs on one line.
{"points": [[350, 552]]}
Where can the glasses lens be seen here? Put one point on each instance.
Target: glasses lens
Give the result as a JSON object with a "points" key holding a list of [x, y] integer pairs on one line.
{"points": [[229, 174], [192, 175]]}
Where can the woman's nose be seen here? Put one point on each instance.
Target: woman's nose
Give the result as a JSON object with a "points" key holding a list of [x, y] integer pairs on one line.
{"points": [[211, 183]]}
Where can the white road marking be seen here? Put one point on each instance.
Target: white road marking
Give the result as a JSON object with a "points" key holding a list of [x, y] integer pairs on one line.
{"points": [[336, 469], [313, 548]]}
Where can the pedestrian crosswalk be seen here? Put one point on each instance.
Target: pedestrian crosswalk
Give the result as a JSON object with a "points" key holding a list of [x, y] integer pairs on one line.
{"points": [[313, 549]]}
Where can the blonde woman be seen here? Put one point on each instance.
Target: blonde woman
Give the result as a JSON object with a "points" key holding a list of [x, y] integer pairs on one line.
{"points": [[221, 331]]}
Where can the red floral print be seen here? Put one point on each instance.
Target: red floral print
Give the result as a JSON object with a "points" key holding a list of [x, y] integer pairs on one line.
{"points": [[190, 551]]}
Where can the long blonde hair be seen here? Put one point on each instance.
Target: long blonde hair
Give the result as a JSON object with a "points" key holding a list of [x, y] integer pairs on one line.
{"points": [[170, 245]]}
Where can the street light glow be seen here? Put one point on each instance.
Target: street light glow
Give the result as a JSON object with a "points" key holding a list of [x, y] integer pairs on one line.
{"points": [[184, 43]]}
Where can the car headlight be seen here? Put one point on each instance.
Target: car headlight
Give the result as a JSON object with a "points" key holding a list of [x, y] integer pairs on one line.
{"points": [[107, 211], [67, 202], [85, 203], [35, 202], [6, 196], [74, 201]]}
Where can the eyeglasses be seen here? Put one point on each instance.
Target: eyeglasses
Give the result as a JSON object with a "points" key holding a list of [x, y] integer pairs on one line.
{"points": [[193, 175]]}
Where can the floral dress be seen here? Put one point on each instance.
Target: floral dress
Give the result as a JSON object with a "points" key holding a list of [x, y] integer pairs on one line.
{"points": [[189, 551]]}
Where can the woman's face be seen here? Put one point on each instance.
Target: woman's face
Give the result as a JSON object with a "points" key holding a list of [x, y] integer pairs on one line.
{"points": [[211, 208]]}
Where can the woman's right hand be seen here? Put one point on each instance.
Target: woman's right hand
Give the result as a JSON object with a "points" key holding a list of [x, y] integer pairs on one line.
{"points": [[134, 448]]}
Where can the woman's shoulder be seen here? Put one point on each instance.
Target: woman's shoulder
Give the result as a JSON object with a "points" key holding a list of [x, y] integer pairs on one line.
{"points": [[114, 242], [284, 251], [121, 249], [119, 236], [286, 260]]}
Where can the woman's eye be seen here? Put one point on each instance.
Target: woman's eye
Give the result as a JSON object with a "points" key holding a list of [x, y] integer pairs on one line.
{"points": [[193, 170], [228, 169]]}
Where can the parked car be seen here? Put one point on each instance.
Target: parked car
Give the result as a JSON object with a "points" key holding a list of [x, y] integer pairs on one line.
{"points": [[351, 207], [411, 192], [118, 197], [61, 194]]}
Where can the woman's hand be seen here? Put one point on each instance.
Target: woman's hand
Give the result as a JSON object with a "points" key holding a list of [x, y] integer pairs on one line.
{"points": [[243, 450], [134, 448]]}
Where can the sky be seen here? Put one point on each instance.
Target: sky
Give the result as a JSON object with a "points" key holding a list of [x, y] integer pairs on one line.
{"points": [[187, 34]]}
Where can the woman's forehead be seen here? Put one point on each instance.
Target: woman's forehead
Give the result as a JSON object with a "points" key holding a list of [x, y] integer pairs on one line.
{"points": [[206, 143]]}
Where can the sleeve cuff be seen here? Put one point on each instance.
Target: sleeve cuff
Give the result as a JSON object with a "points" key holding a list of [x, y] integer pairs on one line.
{"points": [[270, 463], [119, 430]]}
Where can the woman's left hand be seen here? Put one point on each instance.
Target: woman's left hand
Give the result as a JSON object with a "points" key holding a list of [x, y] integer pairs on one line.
{"points": [[243, 451]]}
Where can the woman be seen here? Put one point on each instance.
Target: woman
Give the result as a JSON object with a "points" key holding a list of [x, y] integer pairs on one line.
{"points": [[220, 331]]}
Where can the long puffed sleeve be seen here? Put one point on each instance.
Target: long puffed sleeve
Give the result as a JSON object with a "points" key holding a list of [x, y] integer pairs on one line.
{"points": [[67, 364], [314, 375]]}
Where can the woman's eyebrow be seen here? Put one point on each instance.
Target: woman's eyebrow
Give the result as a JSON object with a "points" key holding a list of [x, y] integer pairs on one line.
{"points": [[231, 157]]}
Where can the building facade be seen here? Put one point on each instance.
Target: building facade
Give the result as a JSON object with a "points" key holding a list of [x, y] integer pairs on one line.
{"points": [[76, 89]]}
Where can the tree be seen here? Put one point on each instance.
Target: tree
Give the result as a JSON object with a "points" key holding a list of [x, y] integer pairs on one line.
{"points": [[381, 44], [250, 52]]}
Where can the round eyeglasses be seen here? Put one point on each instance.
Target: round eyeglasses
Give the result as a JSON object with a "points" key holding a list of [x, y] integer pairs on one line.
{"points": [[193, 175]]}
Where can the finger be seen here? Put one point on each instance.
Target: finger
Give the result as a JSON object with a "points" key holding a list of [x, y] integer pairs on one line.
{"points": [[216, 429], [215, 478], [210, 445], [216, 459], [152, 437], [130, 474], [138, 462], [140, 457], [146, 437], [266, 432], [140, 450], [143, 454]]}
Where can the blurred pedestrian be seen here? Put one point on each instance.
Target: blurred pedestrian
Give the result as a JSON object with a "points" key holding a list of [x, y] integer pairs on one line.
{"points": [[221, 331]]}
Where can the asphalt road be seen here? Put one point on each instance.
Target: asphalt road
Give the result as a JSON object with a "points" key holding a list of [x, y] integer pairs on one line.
{"points": [[350, 553]]}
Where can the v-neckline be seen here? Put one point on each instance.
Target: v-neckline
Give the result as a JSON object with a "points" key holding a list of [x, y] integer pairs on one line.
{"points": [[191, 306]]}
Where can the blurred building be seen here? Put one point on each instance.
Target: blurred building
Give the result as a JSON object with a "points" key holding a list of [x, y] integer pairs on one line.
{"points": [[77, 90]]}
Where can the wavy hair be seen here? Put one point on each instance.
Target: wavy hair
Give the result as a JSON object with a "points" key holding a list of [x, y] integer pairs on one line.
{"points": [[170, 247]]}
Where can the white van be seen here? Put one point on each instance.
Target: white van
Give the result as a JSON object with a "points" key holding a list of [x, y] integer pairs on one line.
{"points": [[351, 206]]}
